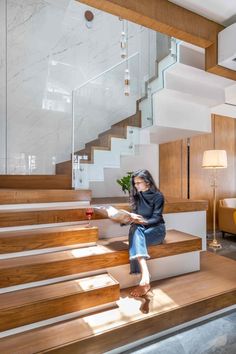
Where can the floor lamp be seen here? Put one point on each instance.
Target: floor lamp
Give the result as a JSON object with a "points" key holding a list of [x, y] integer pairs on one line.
{"points": [[214, 159]]}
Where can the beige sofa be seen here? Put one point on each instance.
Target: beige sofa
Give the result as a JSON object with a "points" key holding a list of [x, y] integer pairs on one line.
{"points": [[227, 215]]}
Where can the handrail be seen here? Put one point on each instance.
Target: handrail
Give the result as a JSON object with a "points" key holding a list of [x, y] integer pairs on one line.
{"points": [[106, 71]]}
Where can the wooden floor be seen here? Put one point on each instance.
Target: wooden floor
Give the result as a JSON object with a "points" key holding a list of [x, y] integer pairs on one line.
{"points": [[172, 302]]}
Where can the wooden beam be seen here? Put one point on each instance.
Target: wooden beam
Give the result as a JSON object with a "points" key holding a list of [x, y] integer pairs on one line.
{"points": [[211, 63], [163, 16], [172, 20]]}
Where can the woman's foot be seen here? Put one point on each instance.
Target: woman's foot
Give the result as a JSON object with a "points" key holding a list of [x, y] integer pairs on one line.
{"points": [[144, 308], [140, 290]]}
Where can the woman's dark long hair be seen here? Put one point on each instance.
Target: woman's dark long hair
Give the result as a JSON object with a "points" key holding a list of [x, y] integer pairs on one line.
{"points": [[147, 177]]}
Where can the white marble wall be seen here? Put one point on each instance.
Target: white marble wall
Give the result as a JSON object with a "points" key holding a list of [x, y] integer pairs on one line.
{"points": [[2, 86], [50, 51]]}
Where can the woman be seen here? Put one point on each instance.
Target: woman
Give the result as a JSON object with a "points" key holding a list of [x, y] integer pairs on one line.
{"points": [[147, 228]]}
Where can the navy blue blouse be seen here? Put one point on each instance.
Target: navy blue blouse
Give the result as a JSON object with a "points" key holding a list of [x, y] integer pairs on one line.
{"points": [[150, 205]]}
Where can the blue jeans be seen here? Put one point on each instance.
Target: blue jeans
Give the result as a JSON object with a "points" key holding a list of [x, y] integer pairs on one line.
{"points": [[140, 237]]}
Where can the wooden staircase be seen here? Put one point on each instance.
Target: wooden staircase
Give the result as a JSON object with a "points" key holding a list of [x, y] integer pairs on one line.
{"points": [[58, 292], [103, 142]]}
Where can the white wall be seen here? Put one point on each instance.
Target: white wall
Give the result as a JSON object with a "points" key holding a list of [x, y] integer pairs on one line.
{"points": [[146, 157], [2, 85], [51, 51]]}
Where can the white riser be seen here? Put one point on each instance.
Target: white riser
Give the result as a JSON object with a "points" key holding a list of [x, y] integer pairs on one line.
{"points": [[190, 222], [144, 157], [107, 159], [173, 109], [196, 82], [160, 268]]}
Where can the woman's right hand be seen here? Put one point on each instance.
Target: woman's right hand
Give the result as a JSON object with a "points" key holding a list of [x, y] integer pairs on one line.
{"points": [[138, 219]]}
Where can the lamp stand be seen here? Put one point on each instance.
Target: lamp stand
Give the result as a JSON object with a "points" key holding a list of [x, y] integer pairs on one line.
{"points": [[214, 244]]}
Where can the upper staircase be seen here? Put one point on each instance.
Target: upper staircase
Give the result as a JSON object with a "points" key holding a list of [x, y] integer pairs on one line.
{"points": [[103, 142]]}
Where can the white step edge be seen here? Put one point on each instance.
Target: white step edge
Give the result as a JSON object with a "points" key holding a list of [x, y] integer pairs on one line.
{"points": [[44, 206]]}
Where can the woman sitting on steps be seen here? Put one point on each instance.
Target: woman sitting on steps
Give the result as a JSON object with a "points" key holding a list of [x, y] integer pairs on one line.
{"points": [[147, 228]]}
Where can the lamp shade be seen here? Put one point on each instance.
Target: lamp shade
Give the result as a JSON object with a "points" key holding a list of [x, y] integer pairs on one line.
{"points": [[214, 159]]}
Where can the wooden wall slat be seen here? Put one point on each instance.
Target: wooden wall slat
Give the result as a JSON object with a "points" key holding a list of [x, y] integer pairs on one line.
{"points": [[223, 137], [170, 178]]}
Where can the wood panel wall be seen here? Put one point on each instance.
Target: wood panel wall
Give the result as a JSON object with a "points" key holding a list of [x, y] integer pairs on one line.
{"points": [[173, 155], [173, 169]]}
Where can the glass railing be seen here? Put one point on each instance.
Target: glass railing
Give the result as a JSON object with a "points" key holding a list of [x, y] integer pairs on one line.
{"points": [[106, 113], [166, 56], [27, 164], [107, 103]]}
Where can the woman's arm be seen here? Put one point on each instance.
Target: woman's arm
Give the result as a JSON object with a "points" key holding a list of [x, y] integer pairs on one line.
{"points": [[157, 211]]}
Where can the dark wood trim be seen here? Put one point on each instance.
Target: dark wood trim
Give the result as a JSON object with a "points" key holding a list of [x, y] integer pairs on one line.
{"points": [[172, 20]]}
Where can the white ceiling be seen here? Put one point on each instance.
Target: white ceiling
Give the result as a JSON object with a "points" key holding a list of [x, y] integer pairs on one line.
{"points": [[221, 11]]}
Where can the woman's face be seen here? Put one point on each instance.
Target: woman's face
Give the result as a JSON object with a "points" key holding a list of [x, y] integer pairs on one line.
{"points": [[140, 184]]}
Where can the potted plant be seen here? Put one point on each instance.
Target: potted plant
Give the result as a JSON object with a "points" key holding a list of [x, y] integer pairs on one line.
{"points": [[125, 182]]}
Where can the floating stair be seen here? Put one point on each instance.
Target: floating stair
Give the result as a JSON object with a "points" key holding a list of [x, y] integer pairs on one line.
{"points": [[36, 181], [17, 216], [173, 302], [105, 254], [34, 239], [65, 300], [22, 196], [27, 306]]}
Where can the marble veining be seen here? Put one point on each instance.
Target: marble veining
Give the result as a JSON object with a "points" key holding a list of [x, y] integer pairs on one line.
{"points": [[50, 51]]}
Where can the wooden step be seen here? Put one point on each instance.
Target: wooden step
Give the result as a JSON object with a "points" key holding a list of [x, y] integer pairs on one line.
{"points": [[21, 196], [32, 239], [108, 253], [31, 217], [64, 168], [27, 306], [36, 181], [20, 217], [172, 302]]}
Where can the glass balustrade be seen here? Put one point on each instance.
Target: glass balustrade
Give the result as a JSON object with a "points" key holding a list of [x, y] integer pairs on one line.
{"points": [[105, 121], [49, 116], [110, 110]]}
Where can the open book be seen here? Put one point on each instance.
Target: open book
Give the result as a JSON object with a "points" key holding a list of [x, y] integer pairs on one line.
{"points": [[118, 215]]}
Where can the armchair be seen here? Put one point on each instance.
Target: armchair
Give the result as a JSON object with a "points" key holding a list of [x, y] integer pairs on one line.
{"points": [[227, 215]]}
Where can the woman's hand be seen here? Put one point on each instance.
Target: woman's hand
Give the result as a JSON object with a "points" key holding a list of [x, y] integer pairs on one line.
{"points": [[138, 219]]}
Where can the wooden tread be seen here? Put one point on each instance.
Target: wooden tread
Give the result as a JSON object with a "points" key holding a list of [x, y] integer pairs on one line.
{"points": [[108, 253], [174, 301], [22, 196], [32, 239], [31, 217], [36, 181], [27, 306], [22, 217]]}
